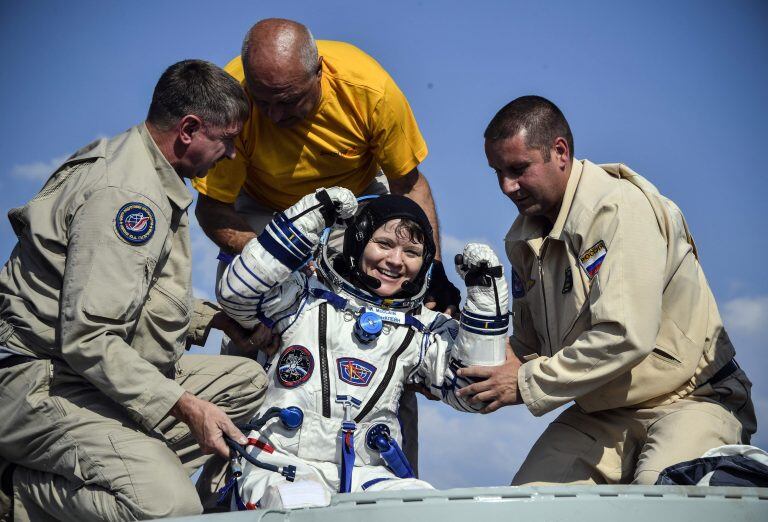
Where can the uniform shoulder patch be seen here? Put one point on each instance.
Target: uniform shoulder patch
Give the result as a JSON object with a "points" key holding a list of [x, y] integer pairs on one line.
{"points": [[295, 366], [354, 371], [592, 259], [135, 223]]}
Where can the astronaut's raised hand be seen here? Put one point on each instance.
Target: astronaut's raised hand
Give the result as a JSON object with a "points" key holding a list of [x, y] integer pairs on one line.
{"points": [[314, 212], [483, 276]]}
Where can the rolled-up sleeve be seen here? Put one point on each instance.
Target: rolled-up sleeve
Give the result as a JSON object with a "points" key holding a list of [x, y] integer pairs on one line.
{"points": [[200, 325]]}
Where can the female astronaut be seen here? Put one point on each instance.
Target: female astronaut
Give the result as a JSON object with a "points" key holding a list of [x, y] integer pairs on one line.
{"points": [[353, 334]]}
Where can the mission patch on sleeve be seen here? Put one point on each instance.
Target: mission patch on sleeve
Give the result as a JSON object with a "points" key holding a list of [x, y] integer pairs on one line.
{"points": [[135, 223]]}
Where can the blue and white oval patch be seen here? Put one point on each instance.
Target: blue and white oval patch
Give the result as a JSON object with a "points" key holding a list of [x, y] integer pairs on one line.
{"points": [[135, 223], [354, 371], [295, 366]]}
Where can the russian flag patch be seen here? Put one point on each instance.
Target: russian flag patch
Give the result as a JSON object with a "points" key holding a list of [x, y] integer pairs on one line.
{"points": [[592, 259]]}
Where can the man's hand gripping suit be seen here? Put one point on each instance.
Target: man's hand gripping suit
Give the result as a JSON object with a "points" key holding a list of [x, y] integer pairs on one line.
{"points": [[345, 376]]}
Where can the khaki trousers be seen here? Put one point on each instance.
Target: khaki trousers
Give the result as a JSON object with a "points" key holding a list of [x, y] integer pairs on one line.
{"points": [[628, 445], [258, 217], [80, 456]]}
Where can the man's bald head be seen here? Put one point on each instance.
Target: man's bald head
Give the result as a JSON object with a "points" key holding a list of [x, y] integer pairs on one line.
{"points": [[282, 70], [278, 51]]}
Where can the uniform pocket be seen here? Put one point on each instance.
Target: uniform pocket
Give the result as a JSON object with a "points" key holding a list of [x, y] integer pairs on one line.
{"points": [[664, 356], [179, 305], [115, 289]]}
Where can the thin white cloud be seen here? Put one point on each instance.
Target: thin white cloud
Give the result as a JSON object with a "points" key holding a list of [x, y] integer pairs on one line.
{"points": [[746, 315], [41, 170], [38, 170]]}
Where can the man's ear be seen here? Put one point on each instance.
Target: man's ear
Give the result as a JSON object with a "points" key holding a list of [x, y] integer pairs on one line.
{"points": [[562, 151], [187, 127]]}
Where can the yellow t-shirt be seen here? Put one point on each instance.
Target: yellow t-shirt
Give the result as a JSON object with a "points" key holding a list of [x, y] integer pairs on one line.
{"points": [[363, 124]]}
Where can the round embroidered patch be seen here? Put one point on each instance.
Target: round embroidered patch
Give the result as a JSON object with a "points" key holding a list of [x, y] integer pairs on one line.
{"points": [[135, 223], [295, 366]]}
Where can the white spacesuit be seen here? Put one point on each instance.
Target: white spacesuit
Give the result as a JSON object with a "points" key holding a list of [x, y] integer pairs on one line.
{"points": [[346, 352]]}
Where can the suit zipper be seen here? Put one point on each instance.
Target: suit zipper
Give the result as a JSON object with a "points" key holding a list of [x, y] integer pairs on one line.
{"points": [[324, 379], [387, 376], [540, 260]]}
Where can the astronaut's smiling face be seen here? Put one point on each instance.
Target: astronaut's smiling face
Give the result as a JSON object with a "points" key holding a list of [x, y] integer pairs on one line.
{"points": [[393, 255]]}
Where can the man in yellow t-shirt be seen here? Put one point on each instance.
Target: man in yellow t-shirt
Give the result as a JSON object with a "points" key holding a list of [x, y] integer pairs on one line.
{"points": [[323, 114]]}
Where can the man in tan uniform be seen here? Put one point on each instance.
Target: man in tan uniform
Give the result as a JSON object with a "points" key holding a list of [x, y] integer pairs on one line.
{"points": [[103, 416], [611, 311]]}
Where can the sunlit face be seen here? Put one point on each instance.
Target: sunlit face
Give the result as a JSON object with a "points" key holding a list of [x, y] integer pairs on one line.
{"points": [[392, 257], [208, 146], [536, 187], [289, 101]]}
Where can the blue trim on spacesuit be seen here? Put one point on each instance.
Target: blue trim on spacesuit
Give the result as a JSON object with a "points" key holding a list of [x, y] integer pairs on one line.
{"points": [[240, 307], [479, 321], [279, 252], [484, 324], [284, 236], [341, 304], [247, 298], [372, 482], [248, 286], [285, 242], [291, 237], [257, 278], [286, 224], [335, 300]]}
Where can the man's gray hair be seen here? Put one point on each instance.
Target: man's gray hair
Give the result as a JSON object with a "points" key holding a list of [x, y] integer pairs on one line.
{"points": [[200, 88], [308, 54]]}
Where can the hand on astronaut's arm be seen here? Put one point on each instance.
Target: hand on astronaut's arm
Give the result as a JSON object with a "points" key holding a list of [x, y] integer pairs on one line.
{"points": [[483, 275], [498, 387], [208, 424], [314, 212], [248, 343]]}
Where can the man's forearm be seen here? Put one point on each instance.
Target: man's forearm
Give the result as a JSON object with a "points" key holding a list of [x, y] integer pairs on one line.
{"points": [[415, 186], [222, 224]]}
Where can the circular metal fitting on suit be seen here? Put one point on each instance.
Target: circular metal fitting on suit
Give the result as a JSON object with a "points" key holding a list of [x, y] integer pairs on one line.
{"points": [[368, 327], [374, 432]]}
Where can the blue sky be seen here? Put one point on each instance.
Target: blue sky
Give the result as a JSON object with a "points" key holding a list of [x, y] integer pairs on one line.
{"points": [[676, 90]]}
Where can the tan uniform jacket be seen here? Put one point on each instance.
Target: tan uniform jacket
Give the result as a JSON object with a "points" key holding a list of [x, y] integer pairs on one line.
{"points": [[611, 308], [103, 286]]}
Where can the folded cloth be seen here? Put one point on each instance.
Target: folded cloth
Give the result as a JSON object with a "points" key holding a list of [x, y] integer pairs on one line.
{"points": [[294, 495], [731, 465]]}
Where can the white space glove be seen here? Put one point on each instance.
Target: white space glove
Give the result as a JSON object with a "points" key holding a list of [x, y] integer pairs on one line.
{"points": [[314, 212], [483, 275]]}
